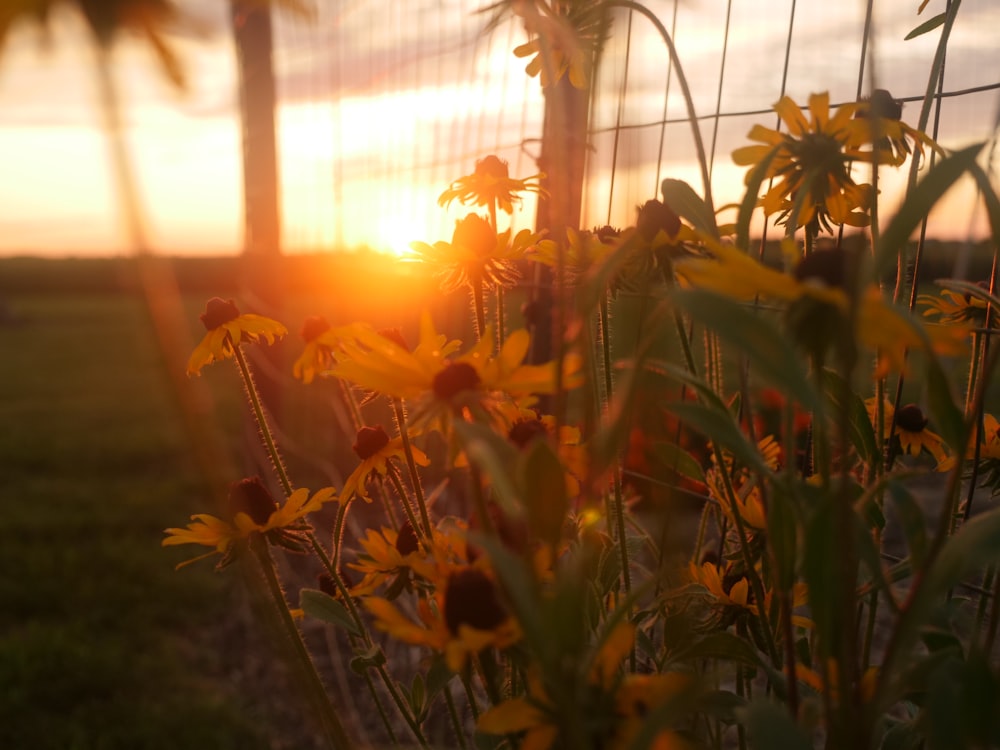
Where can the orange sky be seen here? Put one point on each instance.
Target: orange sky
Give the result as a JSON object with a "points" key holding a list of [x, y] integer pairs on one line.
{"points": [[365, 163]]}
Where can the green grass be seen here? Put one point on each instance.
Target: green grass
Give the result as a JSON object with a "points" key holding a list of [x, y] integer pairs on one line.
{"points": [[102, 643]]}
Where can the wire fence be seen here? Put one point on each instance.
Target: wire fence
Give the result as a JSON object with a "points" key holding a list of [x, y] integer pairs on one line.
{"points": [[414, 92]]}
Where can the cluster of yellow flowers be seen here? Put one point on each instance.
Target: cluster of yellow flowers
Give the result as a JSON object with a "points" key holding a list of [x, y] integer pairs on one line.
{"points": [[553, 565]]}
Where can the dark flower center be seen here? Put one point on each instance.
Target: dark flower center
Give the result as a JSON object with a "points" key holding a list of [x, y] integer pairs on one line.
{"points": [[455, 378], [313, 327], [828, 265], [471, 599], [218, 312], [911, 418], [394, 335], [881, 104], [607, 233], [370, 440], [655, 216], [475, 233], [492, 166], [820, 152], [406, 540], [250, 496], [526, 430]]}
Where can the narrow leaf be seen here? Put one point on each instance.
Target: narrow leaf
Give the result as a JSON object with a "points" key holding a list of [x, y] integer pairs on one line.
{"points": [[929, 25], [771, 727], [919, 202], [324, 607], [860, 431], [721, 429], [682, 198], [754, 180], [771, 354]]}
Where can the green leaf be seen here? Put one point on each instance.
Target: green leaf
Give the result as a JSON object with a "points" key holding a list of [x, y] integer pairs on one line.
{"points": [[912, 521], [771, 354], [324, 607], [948, 417], [543, 481], [721, 645], [974, 545], [678, 459], [771, 727], [990, 198], [860, 431], [682, 198], [418, 696], [821, 550], [363, 660], [929, 25], [749, 203], [722, 430], [782, 533], [919, 202], [495, 456], [438, 676]]}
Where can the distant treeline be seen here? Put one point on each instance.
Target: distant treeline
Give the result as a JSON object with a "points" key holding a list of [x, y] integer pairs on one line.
{"points": [[339, 273]]}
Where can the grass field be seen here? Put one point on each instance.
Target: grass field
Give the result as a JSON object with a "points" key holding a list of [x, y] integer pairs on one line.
{"points": [[102, 643]]}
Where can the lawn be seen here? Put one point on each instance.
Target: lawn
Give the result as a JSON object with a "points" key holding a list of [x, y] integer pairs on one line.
{"points": [[102, 643]]}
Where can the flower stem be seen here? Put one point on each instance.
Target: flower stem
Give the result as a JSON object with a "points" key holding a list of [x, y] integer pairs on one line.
{"points": [[480, 309], [404, 499], [352, 609], [261, 417], [334, 729], [411, 465]]}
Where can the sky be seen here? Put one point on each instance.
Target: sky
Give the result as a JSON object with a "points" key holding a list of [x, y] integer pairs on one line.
{"points": [[382, 104]]}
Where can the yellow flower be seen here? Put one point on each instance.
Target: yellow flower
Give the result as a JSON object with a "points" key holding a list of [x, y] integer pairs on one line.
{"points": [[461, 619], [811, 163], [228, 328], [374, 448], [616, 706], [440, 387], [730, 593], [387, 553], [318, 355], [889, 135], [820, 277], [491, 185], [477, 255], [952, 307], [565, 38], [910, 430], [253, 510]]}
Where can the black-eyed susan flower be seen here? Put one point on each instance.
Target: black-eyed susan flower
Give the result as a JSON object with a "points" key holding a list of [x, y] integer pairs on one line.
{"points": [[811, 164], [491, 185], [729, 589], [375, 449], [463, 617], [439, 387], [892, 139], [228, 328], [818, 302], [253, 510], [318, 354], [383, 556], [910, 431], [953, 307], [615, 704], [477, 256]]}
